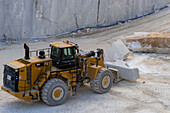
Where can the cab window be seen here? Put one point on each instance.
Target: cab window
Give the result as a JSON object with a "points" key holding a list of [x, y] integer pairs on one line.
{"points": [[56, 52], [69, 53]]}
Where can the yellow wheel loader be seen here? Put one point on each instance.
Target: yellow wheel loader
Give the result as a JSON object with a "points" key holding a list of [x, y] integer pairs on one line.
{"points": [[56, 72]]}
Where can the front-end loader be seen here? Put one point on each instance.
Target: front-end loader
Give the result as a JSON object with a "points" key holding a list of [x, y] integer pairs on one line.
{"points": [[53, 73]]}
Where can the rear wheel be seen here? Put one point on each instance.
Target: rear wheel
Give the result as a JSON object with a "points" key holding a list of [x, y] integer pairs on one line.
{"points": [[54, 92], [103, 81]]}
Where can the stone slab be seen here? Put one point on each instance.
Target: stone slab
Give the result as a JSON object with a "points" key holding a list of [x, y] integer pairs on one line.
{"points": [[125, 72], [150, 42], [118, 51]]}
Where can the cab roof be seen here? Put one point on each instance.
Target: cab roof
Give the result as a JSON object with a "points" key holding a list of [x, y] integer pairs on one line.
{"points": [[63, 44]]}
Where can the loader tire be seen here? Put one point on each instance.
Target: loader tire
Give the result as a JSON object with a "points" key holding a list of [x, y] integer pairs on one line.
{"points": [[54, 92], [103, 81]]}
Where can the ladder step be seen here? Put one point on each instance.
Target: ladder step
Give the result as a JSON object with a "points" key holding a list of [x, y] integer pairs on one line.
{"points": [[41, 79], [74, 90], [36, 86]]}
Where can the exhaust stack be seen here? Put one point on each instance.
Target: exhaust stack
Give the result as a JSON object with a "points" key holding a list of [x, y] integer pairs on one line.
{"points": [[26, 51]]}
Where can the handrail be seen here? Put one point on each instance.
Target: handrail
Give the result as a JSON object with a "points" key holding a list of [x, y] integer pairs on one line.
{"points": [[48, 50]]}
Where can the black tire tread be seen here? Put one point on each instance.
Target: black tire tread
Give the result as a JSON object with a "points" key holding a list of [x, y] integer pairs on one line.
{"points": [[47, 86], [95, 83]]}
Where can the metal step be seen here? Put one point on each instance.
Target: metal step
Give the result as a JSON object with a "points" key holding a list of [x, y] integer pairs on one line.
{"points": [[36, 86], [39, 82]]}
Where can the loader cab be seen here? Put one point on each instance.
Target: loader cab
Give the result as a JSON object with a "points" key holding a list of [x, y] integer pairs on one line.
{"points": [[63, 54]]}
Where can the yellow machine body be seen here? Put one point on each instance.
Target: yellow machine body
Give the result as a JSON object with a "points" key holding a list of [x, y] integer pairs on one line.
{"points": [[34, 72]]}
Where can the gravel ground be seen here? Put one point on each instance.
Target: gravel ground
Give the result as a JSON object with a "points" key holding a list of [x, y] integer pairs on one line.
{"points": [[149, 94]]}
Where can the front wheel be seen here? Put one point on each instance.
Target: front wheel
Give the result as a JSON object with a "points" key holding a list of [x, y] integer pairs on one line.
{"points": [[103, 81], [54, 92]]}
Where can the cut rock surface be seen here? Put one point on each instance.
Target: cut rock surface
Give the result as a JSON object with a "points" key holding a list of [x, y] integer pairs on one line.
{"points": [[150, 42], [124, 71], [118, 51]]}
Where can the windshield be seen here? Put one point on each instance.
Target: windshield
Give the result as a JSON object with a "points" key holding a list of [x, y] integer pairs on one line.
{"points": [[68, 53]]}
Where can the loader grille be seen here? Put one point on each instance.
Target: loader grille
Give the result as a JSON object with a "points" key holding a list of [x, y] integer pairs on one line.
{"points": [[11, 77]]}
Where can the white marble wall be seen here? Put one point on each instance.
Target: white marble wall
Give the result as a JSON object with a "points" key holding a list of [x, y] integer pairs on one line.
{"points": [[40, 18]]}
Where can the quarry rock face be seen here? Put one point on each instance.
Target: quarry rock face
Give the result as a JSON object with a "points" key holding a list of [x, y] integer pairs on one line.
{"points": [[43, 18]]}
